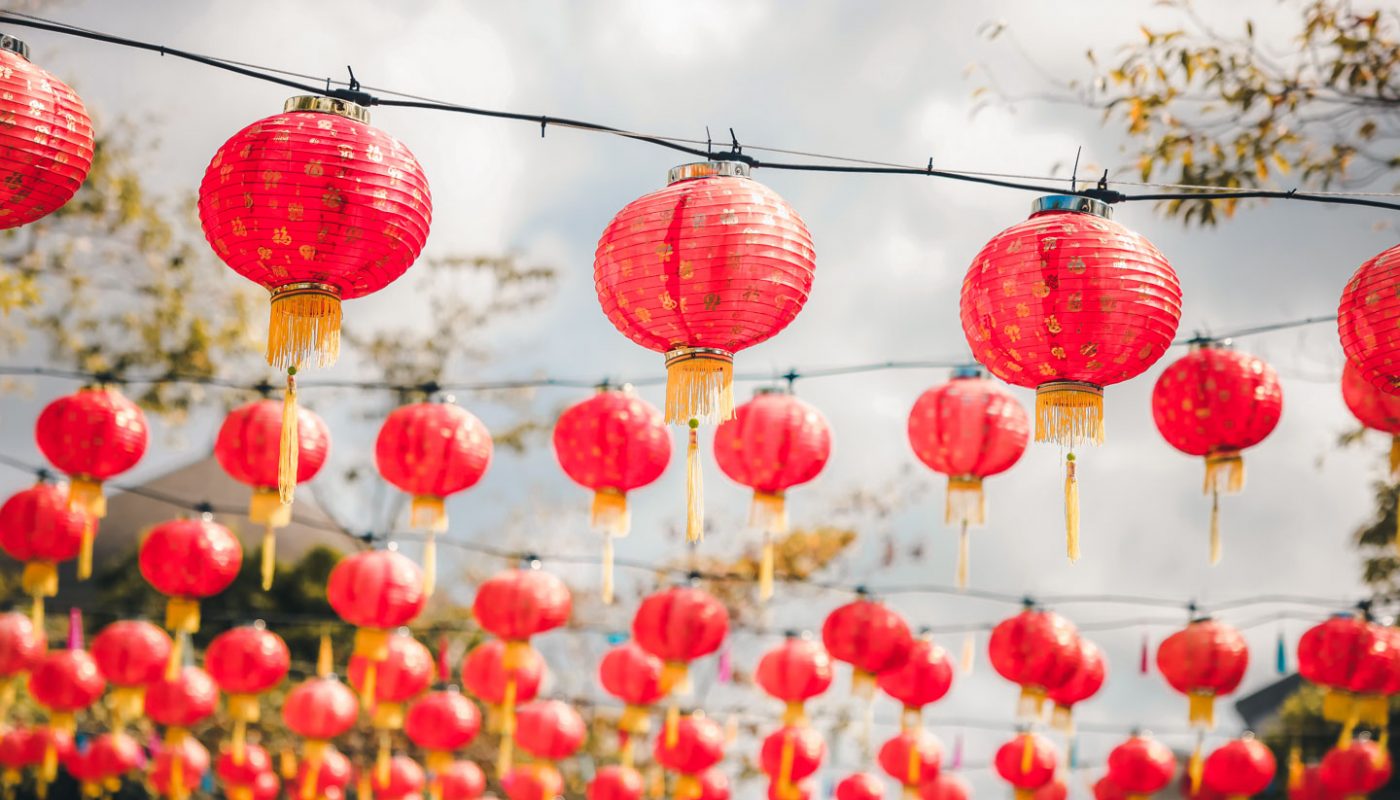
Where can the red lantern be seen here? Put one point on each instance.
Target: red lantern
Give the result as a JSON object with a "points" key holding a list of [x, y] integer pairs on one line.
{"points": [[925, 678], [794, 672], [533, 782], [249, 448], [713, 785], [441, 722], [403, 779], [131, 654], [861, 786], [1039, 651], [21, 646], [1206, 660], [679, 625], [612, 443], [246, 662], [1239, 768], [710, 265], [870, 637], [1106, 789], [774, 442], [1067, 303], [92, 436], [461, 780], [549, 730], [1375, 679], [405, 673], [1141, 766], [38, 527], [331, 776], [83, 769], [1086, 681], [697, 745], [44, 748], [1327, 656], [1214, 403], [113, 755], [616, 782], [1027, 763], [65, 682], [180, 702], [789, 755], [376, 591], [179, 768], [486, 676], [242, 773], [1374, 408], [969, 429], [1357, 770], [188, 559], [911, 757], [632, 675], [20, 749], [946, 786], [1364, 320], [266, 786], [318, 709]]}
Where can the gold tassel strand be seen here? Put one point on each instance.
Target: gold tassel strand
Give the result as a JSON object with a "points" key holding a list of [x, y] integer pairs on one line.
{"points": [[964, 557], [607, 590], [268, 556], [1071, 509], [85, 547], [765, 569], [699, 385], [1395, 457], [1215, 547], [429, 563], [969, 653], [694, 489], [290, 444]]}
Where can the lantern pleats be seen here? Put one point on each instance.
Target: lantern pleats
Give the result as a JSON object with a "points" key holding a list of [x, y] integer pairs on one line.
{"points": [[1366, 321], [47, 141]]}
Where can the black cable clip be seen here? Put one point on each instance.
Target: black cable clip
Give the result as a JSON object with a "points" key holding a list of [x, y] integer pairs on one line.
{"points": [[1102, 193], [736, 151], [353, 93]]}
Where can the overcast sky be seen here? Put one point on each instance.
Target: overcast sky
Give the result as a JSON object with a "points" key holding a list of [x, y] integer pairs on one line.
{"points": [[885, 81]]}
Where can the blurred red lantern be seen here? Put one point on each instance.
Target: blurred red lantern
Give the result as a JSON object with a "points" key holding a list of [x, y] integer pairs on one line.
{"points": [[242, 772], [774, 442], [1375, 679], [178, 768], [1084, 683], [1214, 403], [131, 654], [113, 755], [405, 673], [925, 678], [188, 559], [1239, 768], [21, 646], [376, 591], [20, 749], [679, 625], [65, 682], [48, 144], [249, 448], [181, 701], [485, 674], [789, 755], [870, 637], [533, 782], [441, 722], [461, 780], [710, 265], [946, 786], [1355, 770], [969, 428], [697, 745], [318, 709], [1206, 660], [402, 779], [1365, 319], [1376, 409], [246, 661], [92, 435], [1037, 650], [83, 769], [44, 749], [549, 730], [1105, 789], [1327, 656], [612, 443], [331, 775], [1027, 763], [1067, 303], [861, 786], [38, 527], [1141, 766], [911, 757], [616, 782], [712, 784], [632, 675], [266, 786], [794, 672]]}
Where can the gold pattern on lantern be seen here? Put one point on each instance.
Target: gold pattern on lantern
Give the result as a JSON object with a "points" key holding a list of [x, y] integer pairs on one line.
{"points": [[281, 236], [314, 168], [1076, 302], [1057, 351], [1040, 289], [667, 301], [1012, 332], [295, 212], [1052, 325], [1076, 265], [1023, 310]]}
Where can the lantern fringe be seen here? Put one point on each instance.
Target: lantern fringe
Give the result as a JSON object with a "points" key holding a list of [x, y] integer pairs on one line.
{"points": [[1372, 710], [39, 580], [794, 713], [607, 581], [1395, 457], [609, 512], [1071, 509], [964, 501], [1202, 710], [382, 759], [1195, 767], [325, 657], [862, 684], [315, 753], [964, 557], [1224, 472], [694, 489], [266, 507], [634, 719], [126, 704], [289, 446], [768, 513], [1295, 767], [267, 556], [911, 718], [85, 548], [86, 494], [1032, 703], [969, 653], [1215, 544], [699, 385], [673, 720], [304, 325], [428, 512], [765, 569], [1062, 719], [388, 716], [1069, 413], [429, 563]]}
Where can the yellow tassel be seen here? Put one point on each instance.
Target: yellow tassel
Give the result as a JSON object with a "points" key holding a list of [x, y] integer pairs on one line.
{"points": [[609, 513], [1395, 456], [182, 615], [694, 489], [634, 719], [1202, 710], [688, 787], [325, 658], [768, 513], [313, 775], [969, 653], [765, 569], [656, 782], [304, 325], [177, 656], [428, 513], [266, 507], [372, 644], [1348, 728], [731, 729], [388, 716], [268, 556], [127, 704], [429, 564], [672, 728], [1027, 753], [1071, 510], [85, 548], [1195, 768], [794, 713], [1062, 719], [287, 764], [86, 493], [239, 743], [505, 758], [367, 685], [911, 718], [381, 760], [1215, 547], [508, 708], [36, 611], [1372, 709], [1295, 767], [964, 557], [965, 501], [862, 684], [627, 751], [364, 786], [1023, 794], [1069, 413], [1032, 702], [1225, 472], [290, 444], [9, 689], [607, 589], [39, 580], [785, 766], [699, 385]]}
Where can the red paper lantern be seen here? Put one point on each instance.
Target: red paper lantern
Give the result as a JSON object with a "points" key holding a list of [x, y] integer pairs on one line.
{"points": [[461, 780], [267, 786], [1141, 766], [188, 559], [632, 675], [789, 755], [430, 451], [376, 591], [92, 435], [319, 709], [612, 443], [1327, 656], [1374, 408], [774, 442], [405, 673], [712, 784], [178, 768], [710, 265], [38, 527], [870, 637], [969, 429], [861, 786], [441, 722], [946, 786], [113, 755], [242, 772], [402, 779], [249, 448], [1364, 321], [1375, 679], [131, 654], [1086, 681], [1206, 660], [679, 625], [246, 661], [182, 701], [65, 682], [520, 603], [21, 646], [1239, 768], [794, 672], [485, 674], [533, 782], [696, 746], [925, 678], [1067, 303], [1356, 770], [1027, 763], [48, 144], [83, 769], [1037, 650], [616, 782], [911, 757], [47, 747], [1106, 789], [549, 730], [332, 775], [20, 749], [1214, 403]]}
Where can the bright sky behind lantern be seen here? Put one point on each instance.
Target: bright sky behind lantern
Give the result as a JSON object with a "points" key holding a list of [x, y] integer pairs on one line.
{"points": [[887, 82]]}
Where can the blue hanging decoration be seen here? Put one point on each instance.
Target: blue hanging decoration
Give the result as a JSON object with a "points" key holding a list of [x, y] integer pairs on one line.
{"points": [[1074, 753], [615, 639], [1281, 655]]}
